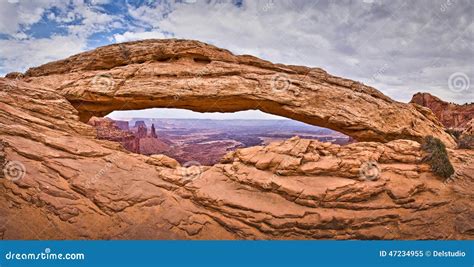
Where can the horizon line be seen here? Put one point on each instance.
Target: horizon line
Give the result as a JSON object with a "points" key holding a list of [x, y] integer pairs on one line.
{"points": [[132, 118]]}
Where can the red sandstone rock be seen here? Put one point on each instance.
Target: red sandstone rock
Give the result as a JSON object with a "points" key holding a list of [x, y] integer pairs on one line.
{"points": [[108, 129], [449, 114], [153, 131], [201, 77], [151, 145]]}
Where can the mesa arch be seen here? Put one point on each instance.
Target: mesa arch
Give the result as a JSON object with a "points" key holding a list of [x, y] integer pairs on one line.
{"points": [[201, 77], [78, 187]]}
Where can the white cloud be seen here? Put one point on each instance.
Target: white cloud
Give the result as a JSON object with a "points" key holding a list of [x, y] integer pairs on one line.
{"points": [[132, 36], [16, 16], [20, 51], [100, 2], [149, 14], [19, 55]]}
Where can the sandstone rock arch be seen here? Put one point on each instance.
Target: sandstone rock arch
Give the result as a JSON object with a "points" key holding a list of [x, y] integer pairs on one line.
{"points": [[201, 77], [60, 182]]}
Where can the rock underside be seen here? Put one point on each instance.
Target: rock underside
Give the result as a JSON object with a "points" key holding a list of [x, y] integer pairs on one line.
{"points": [[79, 187]]}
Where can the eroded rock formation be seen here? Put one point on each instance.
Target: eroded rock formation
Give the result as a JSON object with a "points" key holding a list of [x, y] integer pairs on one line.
{"points": [[137, 142], [449, 114], [108, 129], [466, 138], [60, 182], [201, 77]]}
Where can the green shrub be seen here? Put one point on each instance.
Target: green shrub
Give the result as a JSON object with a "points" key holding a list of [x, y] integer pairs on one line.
{"points": [[437, 157]]}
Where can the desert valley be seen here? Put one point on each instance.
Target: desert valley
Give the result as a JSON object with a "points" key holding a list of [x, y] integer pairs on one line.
{"points": [[204, 141]]}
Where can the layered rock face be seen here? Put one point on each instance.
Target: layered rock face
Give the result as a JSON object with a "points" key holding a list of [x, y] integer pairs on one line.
{"points": [[108, 129], [201, 77], [137, 142], [60, 182], [458, 118], [466, 139], [449, 114]]}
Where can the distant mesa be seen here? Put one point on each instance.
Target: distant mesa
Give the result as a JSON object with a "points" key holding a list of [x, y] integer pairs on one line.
{"points": [[109, 129], [122, 125], [139, 123], [141, 130]]}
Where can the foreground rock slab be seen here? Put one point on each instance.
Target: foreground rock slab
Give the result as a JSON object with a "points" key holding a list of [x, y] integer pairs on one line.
{"points": [[60, 182]]}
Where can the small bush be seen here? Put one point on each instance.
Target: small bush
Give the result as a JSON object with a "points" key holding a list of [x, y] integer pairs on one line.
{"points": [[437, 157], [456, 133], [466, 142]]}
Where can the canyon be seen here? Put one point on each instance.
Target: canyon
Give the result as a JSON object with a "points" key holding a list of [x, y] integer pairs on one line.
{"points": [[204, 141], [60, 180]]}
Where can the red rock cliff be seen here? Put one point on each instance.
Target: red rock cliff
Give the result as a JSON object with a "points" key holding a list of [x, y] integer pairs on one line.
{"points": [[449, 114]]}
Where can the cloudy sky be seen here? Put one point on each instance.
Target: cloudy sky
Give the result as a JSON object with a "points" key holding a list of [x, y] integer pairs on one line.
{"points": [[399, 47]]}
